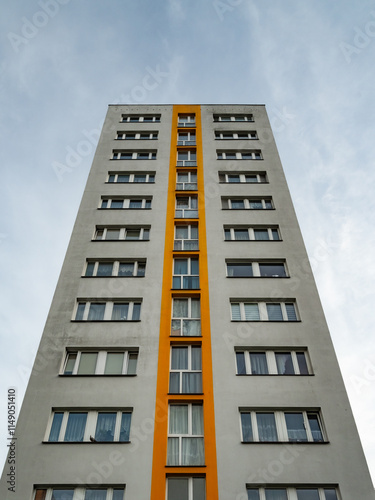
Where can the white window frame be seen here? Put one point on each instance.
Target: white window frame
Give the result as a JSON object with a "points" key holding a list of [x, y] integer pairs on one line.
{"points": [[128, 136], [292, 491], [233, 118], [271, 360], [261, 177], [190, 485], [188, 212], [182, 240], [190, 162], [115, 268], [141, 118], [247, 135], [281, 427], [108, 309], [131, 177], [255, 154], [100, 361], [188, 273], [135, 155], [187, 185], [189, 122], [188, 318], [123, 233], [79, 492], [251, 233], [190, 430], [185, 370], [262, 308], [91, 421], [125, 203], [227, 203], [255, 268], [191, 139]]}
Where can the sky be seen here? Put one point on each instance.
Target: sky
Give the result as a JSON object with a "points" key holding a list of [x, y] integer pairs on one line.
{"points": [[312, 63]]}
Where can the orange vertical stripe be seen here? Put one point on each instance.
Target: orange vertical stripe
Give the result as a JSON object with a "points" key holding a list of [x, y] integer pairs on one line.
{"points": [[159, 469]]}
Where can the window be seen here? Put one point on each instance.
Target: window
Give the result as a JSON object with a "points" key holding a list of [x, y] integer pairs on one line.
{"points": [[185, 375], [282, 493], [276, 362], [251, 233], [281, 426], [238, 178], [246, 203], [185, 435], [83, 426], [186, 120], [127, 136], [186, 488], [186, 139], [102, 269], [233, 118], [263, 311], [133, 155], [187, 158], [108, 311], [186, 314], [236, 135], [139, 118], [186, 181], [131, 177], [250, 154], [122, 233], [126, 203], [186, 237], [185, 274], [248, 269], [80, 493], [101, 362], [186, 207]]}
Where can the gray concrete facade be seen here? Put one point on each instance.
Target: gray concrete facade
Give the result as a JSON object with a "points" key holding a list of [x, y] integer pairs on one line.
{"points": [[335, 463]]}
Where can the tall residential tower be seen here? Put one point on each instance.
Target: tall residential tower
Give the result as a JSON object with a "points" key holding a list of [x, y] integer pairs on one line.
{"points": [[186, 355]]}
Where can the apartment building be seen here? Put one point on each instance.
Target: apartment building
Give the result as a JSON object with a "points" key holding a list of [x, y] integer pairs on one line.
{"points": [[186, 354]]}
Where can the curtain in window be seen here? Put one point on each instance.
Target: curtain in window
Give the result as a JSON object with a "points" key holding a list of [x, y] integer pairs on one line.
{"points": [[173, 451], [125, 426], [256, 204], [182, 232], [62, 494], [303, 369], [179, 358], [258, 362], [126, 269], [118, 494], [253, 494], [72, 356], [274, 312], [237, 204], [178, 419], [266, 427], [105, 427], [120, 312], [112, 234], [80, 311], [251, 312], [90, 269], [87, 363], [247, 430], [261, 234], [180, 266], [96, 494], [56, 426], [279, 494], [291, 312], [199, 488], [75, 428], [114, 363], [191, 383], [307, 494], [241, 366], [284, 363], [315, 427], [197, 420], [236, 312], [191, 327], [178, 488], [241, 235], [96, 312], [180, 308], [136, 311], [296, 427], [192, 451], [132, 363], [123, 178], [174, 382]]}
